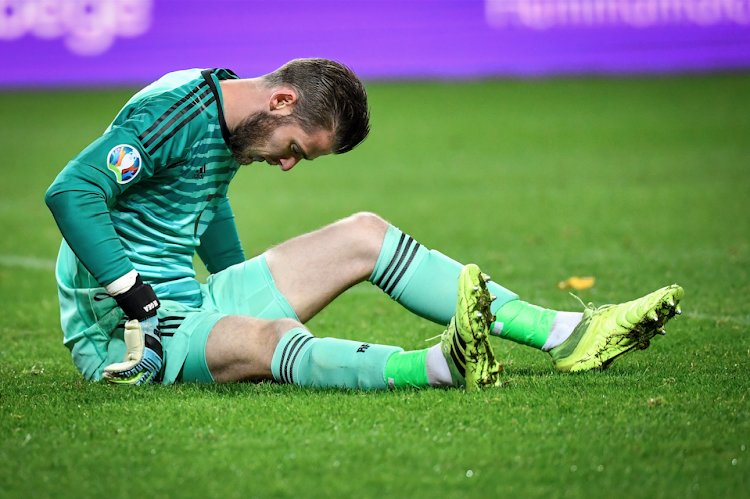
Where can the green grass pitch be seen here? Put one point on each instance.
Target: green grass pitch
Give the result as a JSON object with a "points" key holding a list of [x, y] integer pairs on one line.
{"points": [[637, 182]]}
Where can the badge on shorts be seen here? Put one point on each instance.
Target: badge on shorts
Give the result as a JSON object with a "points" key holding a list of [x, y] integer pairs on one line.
{"points": [[125, 162]]}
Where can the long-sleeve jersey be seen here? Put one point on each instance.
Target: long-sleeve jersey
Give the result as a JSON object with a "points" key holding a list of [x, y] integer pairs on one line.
{"points": [[151, 191]]}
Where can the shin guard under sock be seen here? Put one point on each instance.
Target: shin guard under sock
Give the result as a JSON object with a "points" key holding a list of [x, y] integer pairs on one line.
{"points": [[302, 359], [424, 281]]}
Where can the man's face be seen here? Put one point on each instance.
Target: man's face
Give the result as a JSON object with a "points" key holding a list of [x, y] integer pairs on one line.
{"points": [[277, 140]]}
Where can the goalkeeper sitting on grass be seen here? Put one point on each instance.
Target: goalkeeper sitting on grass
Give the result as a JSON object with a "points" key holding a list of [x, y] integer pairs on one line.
{"points": [[136, 205]]}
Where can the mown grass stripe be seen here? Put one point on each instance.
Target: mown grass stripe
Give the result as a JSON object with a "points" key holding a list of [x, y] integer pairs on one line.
{"points": [[27, 262]]}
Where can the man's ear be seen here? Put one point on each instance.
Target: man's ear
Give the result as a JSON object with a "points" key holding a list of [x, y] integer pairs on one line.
{"points": [[283, 101]]}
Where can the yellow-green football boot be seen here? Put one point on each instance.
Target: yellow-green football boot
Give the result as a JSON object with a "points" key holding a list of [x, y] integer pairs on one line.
{"points": [[465, 344], [610, 331]]}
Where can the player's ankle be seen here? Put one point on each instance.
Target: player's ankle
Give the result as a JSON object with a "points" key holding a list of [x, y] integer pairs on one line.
{"points": [[562, 327], [438, 371]]}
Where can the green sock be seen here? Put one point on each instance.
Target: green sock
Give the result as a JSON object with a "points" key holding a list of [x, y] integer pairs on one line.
{"points": [[524, 323], [424, 281], [302, 359], [407, 369]]}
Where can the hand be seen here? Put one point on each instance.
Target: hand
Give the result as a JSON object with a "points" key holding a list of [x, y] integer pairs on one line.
{"points": [[144, 356]]}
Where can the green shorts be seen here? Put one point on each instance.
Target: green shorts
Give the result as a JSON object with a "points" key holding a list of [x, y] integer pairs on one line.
{"points": [[243, 289]]}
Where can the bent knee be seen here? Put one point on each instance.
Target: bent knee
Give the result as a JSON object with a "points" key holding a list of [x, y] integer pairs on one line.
{"points": [[279, 327], [366, 224], [366, 232], [241, 348], [367, 221]]}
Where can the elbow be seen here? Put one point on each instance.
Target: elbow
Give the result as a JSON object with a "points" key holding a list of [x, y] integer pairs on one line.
{"points": [[49, 198], [53, 198], [59, 201], [71, 192]]}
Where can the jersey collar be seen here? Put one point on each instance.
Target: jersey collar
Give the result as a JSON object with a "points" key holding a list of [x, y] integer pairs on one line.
{"points": [[219, 74]]}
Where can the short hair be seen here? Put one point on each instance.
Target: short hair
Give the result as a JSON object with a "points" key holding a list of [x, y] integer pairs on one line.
{"points": [[329, 97]]}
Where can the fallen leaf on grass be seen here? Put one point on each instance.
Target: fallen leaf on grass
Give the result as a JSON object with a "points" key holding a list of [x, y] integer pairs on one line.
{"points": [[577, 283]]}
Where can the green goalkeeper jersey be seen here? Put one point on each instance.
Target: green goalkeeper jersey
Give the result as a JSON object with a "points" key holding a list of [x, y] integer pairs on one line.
{"points": [[143, 195]]}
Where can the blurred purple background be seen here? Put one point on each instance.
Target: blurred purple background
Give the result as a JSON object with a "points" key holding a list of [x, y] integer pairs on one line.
{"points": [[110, 42]]}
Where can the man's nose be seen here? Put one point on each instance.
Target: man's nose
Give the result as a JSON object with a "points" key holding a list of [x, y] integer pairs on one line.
{"points": [[288, 163]]}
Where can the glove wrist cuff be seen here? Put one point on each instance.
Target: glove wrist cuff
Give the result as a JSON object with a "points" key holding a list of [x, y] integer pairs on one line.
{"points": [[139, 302]]}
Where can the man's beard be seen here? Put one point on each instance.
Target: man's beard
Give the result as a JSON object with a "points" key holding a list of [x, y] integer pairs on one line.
{"points": [[253, 134]]}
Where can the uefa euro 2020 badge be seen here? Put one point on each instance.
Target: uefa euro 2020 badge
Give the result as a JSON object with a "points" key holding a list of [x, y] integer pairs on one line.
{"points": [[125, 161]]}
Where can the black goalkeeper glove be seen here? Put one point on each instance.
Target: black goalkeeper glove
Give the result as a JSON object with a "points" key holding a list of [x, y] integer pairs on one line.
{"points": [[144, 357]]}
